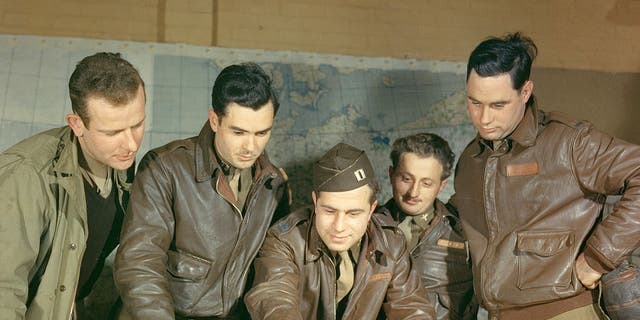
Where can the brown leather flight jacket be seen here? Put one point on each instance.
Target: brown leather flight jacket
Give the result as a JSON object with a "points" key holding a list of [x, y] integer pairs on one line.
{"points": [[442, 260], [533, 205], [295, 275], [186, 249]]}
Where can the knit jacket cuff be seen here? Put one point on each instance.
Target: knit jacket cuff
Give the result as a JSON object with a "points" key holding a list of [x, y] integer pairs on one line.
{"points": [[596, 261]]}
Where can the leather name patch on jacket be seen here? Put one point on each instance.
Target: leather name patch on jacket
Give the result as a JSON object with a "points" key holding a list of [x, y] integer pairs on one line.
{"points": [[380, 276], [450, 244], [524, 169]]}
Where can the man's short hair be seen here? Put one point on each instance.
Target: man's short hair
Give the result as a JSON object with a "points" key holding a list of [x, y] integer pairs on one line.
{"points": [[512, 54], [104, 75], [245, 84], [424, 145]]}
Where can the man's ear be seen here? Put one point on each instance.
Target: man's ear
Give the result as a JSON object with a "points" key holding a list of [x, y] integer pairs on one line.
{"points": [[391, 173], [77, 125], [213, 120], [313, 197], [527, 90], [374, 205], [443, 184]]}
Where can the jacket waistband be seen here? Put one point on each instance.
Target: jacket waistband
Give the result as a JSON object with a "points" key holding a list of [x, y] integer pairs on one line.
{"points": [[545, 310]]}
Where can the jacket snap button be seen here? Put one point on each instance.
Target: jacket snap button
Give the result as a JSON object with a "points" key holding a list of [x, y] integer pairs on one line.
{"points": [[63, 288], [73, 246]]}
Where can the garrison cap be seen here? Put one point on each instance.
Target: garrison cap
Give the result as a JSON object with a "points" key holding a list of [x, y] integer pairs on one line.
{"points": [[342, 168]]}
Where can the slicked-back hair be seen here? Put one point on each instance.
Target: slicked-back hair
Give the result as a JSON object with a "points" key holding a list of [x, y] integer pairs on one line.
{"points": [[512, 54], [424, 145], [245, 84], [103, 75]]}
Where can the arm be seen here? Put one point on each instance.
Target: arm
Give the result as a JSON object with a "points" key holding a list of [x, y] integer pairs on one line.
{"points": [[147, 230], [22, 222], [609, 166], [275, 294], [406, 297]]}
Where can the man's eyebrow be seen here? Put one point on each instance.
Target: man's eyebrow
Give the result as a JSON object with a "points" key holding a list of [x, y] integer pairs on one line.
{"points": [[501, 102], [326, 206], [120, 130], [492, 102], [234, 128], [139, 122]]}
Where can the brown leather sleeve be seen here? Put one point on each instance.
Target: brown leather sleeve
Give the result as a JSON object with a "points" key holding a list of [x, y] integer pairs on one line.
{"points": [[275, 292], [141, 261], [607, 165]]}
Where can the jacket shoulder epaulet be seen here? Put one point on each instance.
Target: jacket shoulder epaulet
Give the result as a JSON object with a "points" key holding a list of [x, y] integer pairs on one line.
{"points": [[384, 220], [562, 118], [170, 147], [293, 219], [285, 177]]}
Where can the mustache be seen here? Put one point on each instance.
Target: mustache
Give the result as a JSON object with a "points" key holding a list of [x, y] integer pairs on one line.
{"points": [[405, 197]]}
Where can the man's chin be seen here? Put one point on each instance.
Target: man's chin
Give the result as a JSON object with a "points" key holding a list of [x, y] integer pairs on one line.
{"points": [[338, 245], [122, 165], [412, 211], [244, 164]]}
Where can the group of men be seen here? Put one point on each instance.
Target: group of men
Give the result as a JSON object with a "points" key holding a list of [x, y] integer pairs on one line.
{"points": [[205, 229]]}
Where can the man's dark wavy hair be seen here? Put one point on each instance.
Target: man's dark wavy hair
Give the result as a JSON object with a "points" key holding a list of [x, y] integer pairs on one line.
{"points": [[245, 84], [512, 54]]}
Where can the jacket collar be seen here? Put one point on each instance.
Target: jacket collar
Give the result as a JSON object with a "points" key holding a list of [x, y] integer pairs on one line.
{"points": [[65, 161], [205, 158], [525, 133]]}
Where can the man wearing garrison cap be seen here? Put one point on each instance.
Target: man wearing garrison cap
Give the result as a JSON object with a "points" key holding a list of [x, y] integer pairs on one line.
{"points": [[337, 259]]}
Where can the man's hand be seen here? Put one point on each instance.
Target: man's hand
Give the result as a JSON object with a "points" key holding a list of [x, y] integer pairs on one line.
{"points": [[589, 277]]}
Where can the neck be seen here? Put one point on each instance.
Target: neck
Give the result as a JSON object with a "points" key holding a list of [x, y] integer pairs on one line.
{"points": [[96, 168]]}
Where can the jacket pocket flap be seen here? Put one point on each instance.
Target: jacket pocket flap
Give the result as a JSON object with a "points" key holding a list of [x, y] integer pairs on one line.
{"points": [[544, 244], [187, 266]]}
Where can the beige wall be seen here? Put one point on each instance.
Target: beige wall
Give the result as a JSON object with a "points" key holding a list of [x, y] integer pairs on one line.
{"points": [[611, 101], [599, 35], [585, 34], [588, 66]]}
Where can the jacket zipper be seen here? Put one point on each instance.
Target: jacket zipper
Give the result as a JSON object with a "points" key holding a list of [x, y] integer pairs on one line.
{"points": [[490, 249], [232, 203], [254, 186], [259, 182], [335, 288]]}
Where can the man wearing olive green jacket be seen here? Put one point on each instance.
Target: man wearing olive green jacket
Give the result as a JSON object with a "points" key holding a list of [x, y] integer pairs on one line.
{"points": [[63, 193]]}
